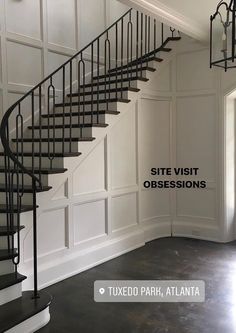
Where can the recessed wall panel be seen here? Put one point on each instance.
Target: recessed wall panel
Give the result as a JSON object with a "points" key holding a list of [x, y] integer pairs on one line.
{"points": [[196, 203], [196, 135], [23, 17], [124, 211], [123, 152], [155, 203], [24, 64], [154, 136], [91, 20], [62, 22], [89, 220], [55, 222], [90, 175], [193, 72]]}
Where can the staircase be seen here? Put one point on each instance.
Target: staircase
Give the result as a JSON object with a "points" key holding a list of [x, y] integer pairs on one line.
{"points": [[53, 122]]}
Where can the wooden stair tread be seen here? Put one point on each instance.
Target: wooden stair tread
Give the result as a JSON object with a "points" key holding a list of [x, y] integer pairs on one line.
{"points": [[45, 171], [76, 114], [67, 126], [124, 72], [46, 155], [23, 209], [9, 280], [5, 231], [85, 139], [135, 62], [21, 309]]}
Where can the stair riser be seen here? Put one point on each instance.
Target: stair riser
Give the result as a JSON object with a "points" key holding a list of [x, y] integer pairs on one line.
{"points": [[45, 162], [27, 199], [118, 77], [152, 64], [11, 293], [112, 86], [3, 246], [58, 133], [58, 147], [6, 267], [75, 120], [102, 106], [27, 181], [106, 95]]}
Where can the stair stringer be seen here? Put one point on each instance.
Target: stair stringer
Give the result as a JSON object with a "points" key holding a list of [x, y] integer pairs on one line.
{"points": [[68, 261]]}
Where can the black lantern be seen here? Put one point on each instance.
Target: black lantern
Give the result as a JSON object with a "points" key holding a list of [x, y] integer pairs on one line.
{"points": [[222, 36]]}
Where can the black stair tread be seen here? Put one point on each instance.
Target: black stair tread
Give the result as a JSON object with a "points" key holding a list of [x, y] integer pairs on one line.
{"points": [[43, 154], [26, 188], [67, 126], [139, 62], [21, 309], [22, 209], [125, 72], [6, 255], [135, 78], [5, 231], [103, 91], [73, 139], [9, 280], [44, 171], [100, 101], [75, 114]]}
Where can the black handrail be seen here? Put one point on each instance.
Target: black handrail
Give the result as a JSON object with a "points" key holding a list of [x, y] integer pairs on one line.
{"points": [[125, 61]]}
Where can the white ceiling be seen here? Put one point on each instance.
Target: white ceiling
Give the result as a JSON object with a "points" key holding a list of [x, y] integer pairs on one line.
{"points": [[199, 11], [189, 16]]}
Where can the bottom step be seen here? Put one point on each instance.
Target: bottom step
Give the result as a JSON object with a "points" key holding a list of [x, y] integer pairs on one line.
{"points": [[25, 314]]}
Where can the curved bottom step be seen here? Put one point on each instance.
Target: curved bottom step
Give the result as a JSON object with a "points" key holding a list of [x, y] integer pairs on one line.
{"points": [[25, 315]]}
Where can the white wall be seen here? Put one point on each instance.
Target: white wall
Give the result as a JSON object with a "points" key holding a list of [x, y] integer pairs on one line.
{"points": [[37, 36]]}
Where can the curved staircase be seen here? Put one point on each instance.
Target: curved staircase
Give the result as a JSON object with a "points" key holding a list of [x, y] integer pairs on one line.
{"points": [[51, 123]]}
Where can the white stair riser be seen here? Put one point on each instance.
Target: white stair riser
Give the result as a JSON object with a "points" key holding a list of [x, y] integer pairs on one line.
{"points": [[106, 95], [58, 133], [6, 267], [27, 180], [58, 147], [32, 324], [45, 162], [11, 293], [27, 199], [133, 84], [111, 106], [75, 120], [125, 76], [4, 242]]}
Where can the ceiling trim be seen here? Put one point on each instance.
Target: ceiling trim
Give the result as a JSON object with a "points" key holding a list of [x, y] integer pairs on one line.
{"points": [[169, 16]]}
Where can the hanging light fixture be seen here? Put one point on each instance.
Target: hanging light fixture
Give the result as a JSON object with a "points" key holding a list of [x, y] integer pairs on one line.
{"points": [[222, 36]]}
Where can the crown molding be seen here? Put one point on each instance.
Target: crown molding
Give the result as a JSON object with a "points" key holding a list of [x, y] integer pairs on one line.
{"points": [[169, 16]]}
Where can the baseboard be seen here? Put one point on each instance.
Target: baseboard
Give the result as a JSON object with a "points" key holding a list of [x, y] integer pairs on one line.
{"points": [[156, 230], [76, 263], [197, 231]]}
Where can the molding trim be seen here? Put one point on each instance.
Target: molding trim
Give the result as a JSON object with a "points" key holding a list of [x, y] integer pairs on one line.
{"points": [[169, 17]]}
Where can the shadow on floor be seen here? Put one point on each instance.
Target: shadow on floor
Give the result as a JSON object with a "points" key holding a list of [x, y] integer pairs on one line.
{"points": [[73, 309]]}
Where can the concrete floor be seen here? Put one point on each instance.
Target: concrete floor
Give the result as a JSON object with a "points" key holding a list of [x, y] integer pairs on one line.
{"points": [[73, 309]]}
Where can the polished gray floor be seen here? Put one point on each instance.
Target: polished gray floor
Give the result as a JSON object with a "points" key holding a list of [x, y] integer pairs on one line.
{"points": [[74, 310]]}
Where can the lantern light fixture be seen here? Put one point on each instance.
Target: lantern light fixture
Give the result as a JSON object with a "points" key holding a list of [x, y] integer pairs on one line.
{"points": [[222, 36]]}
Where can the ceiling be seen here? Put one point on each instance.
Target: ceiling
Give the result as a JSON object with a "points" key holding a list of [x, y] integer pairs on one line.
{"points": [[189, 16]]}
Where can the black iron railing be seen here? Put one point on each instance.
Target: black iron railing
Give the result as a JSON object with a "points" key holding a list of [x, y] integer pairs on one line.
{"points": [[46, 122]]}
